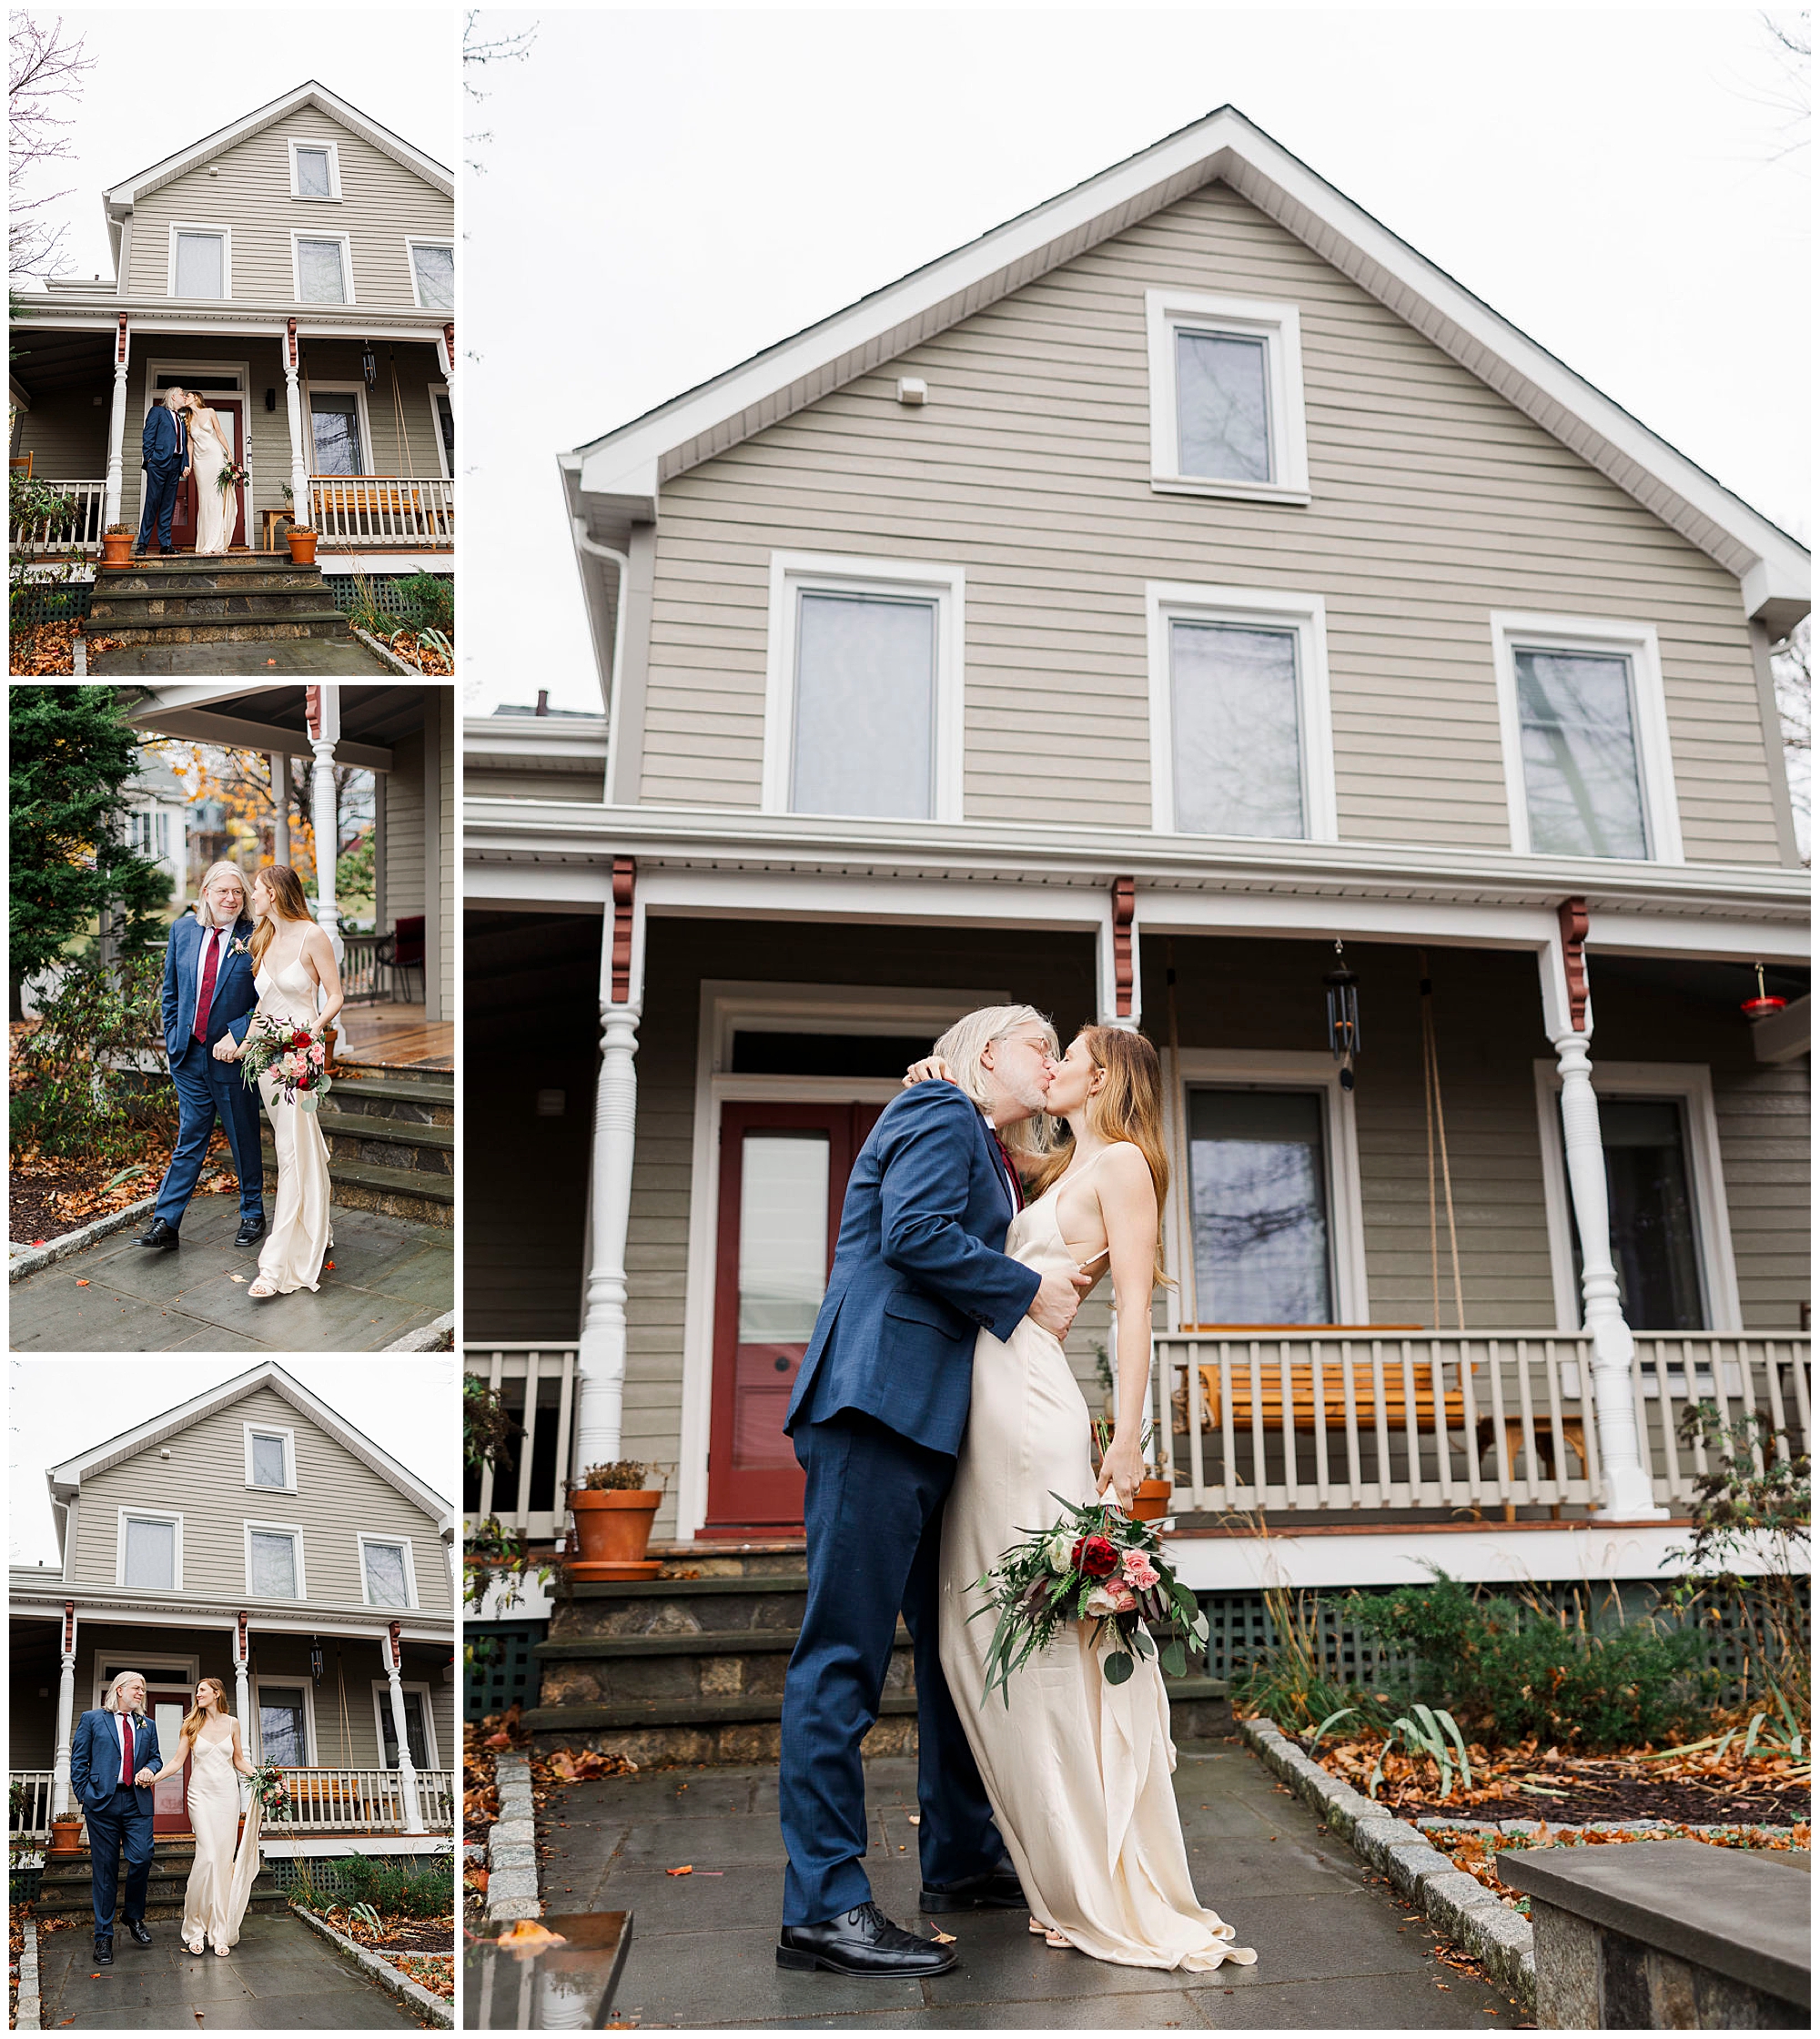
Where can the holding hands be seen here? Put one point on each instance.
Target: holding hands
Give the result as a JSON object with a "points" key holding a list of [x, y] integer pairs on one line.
{"points": [[227, 1049], [146, 1776]]}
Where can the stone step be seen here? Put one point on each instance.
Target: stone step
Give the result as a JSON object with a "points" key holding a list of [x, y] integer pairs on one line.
{"points": [[405, 1145], [363, 1185], [184, 574], [221, 629], [155, 605], [380, 1079], [381, 1098]]}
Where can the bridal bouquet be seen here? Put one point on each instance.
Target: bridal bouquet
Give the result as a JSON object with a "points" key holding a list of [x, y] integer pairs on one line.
{"points": [[291, 1054], [230, 477], [271, 1793], [1095, 1565]]}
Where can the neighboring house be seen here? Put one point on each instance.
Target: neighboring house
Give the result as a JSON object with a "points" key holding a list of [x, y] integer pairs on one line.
{"points": [[159, 814], [297, 267], [255, 1535], [1119, 613]]}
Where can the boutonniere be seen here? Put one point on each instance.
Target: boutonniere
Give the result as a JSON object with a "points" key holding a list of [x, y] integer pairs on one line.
{"points": [[237, 947]]}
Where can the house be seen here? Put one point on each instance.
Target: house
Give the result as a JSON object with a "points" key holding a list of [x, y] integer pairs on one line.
{"points": [[160, 818], [253, 1534], [296, 268], [1185, 607]]}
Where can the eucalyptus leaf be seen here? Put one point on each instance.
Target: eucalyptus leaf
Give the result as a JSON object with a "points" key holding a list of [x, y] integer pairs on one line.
{"points": [[1117, 1669]]}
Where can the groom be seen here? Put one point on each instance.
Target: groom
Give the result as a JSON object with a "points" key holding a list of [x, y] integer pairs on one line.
{"points": [[208, 993], [876, 1416], [165, 459], [112, 1758]]}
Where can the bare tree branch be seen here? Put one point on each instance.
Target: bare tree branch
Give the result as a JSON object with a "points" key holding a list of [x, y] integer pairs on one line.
{"points": [[43, 79], [477, 53]]}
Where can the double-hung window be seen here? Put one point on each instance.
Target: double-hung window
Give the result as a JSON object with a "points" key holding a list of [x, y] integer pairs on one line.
{"points": [[324, 269], [201, 260], [862, 694], [1240, 735], [315, 171], [1225, 397], [148, 1552], [387, 1575], [271, 1456], [1587, 768], [432, 274], [275, 1560], [283, 1725]]}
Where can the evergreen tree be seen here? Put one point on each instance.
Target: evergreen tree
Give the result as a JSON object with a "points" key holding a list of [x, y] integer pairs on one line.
{"points": [[73, 753]]}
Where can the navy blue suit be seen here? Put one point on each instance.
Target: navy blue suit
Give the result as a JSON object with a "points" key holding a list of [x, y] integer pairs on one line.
{"points": [[878, 1415], [165, 454], [117, 1814], [206, 1088]]}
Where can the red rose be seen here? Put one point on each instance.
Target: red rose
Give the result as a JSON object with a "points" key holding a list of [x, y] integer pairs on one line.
{"points": [[1097, 1558]]}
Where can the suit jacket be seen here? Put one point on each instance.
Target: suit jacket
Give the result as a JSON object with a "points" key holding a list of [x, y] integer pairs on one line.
{"points": [[163, 441], [230, 1005], [94, 1757], [917, 1272]]}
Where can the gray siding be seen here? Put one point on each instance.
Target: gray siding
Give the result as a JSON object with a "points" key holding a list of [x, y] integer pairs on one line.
{"points": [[1435, 502], [205, 1477]]}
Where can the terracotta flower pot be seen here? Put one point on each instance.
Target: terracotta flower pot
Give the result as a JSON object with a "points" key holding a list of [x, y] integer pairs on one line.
{"points": [[302, 546], [116, 549], [1152, 1502], [614, 1526], [66, 1835]]}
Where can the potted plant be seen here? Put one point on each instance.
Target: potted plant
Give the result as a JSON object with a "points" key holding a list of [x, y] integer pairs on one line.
{"points": [[66, 1834], [116, 545], [1151, 1501], [302, 542], [614, 1508]]}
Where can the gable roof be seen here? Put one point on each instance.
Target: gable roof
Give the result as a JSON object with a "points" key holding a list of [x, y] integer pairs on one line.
{"points": [[620, 474], [66, 1480], [120, 198]]}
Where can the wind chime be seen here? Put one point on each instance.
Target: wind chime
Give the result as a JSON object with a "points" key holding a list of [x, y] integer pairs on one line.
{"points": [[1342, 1015]]}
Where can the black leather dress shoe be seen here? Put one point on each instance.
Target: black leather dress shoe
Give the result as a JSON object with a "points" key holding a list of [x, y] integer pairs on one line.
{"points": [[161, 1238], [862, 1942], [998, 1890], [252, 1230], [137, 1927], [104, 1950]]}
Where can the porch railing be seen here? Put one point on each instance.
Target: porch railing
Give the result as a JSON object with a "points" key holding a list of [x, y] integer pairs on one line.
{"points": [[381, 509], [1320, 1421], [76, 526], [28, 1800], [527, 1498], [365, 971], [333, 1801]]}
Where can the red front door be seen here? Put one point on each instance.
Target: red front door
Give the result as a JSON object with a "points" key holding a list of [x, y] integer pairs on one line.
{"points": [[183, 520], [784, 1174], [171, 1794]]}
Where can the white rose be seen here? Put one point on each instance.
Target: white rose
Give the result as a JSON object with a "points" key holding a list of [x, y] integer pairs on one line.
{"points": [[1100, 1601], [1059, 1550]]}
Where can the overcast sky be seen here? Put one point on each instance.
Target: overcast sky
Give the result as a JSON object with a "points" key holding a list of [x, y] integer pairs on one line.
{"points": [[666, 192], [57, 1408], [397, 65]]}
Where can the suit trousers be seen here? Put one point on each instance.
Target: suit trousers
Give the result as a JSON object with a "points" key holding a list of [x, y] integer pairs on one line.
{"points": [[872, 1512], [119, 1822], [161, 486], [207, 1089]]}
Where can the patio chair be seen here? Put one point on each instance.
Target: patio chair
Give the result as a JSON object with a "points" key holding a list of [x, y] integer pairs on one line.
{"points": [[405, 954]]}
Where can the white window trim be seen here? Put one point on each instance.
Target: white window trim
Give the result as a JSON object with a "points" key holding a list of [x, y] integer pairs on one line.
{"points": [[248, 1431], [294, 1530], [382, 1706], [791, 574], [1649, 707], [438, 390], [111, 1664], [1305, 614], [415, 241], [202, 226], [294, 143], [362, 1538], [168, 1515], [1280, 328], [1691, 1085], [1274, 1070], [358, 390], [326, 234], [251, 1731]]}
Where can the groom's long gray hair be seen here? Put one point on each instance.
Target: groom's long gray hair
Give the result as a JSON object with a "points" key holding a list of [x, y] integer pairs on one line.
{"points": [[112, 1703], [967, 1039], [221, 870], [175, 397]]}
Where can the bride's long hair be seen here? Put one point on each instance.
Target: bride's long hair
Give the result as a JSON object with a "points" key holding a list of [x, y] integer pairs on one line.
{"points": [[193, 1719], [1128, 1105], [288, 905]]}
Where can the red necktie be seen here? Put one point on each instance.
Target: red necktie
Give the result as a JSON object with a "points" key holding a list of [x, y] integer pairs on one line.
{"points": [[206, 991], [1004, 1155], [126, 1750]]}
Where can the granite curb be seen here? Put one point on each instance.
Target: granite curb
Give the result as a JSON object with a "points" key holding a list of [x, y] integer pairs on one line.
{"points": [[36, 1258], [512, 1846], [438, 1336], [28, 2016], [386, 655], [382, 1971], [1500, 1940]]}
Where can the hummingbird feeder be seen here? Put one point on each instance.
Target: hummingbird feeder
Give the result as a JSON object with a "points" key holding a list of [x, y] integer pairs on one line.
{"points": [[1766, 1005]]}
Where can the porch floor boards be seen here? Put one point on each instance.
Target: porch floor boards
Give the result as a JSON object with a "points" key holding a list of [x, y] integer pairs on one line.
{"points": [[394, 1036]]}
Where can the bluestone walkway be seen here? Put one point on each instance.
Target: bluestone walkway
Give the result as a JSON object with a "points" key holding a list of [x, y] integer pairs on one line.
{"points": [[390, 1277], [344, 656], [280, 1977], [1335, 1949]]}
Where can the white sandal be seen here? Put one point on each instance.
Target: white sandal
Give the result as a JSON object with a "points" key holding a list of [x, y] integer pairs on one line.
{"points": [[1052, 1938], [262, 1289]]}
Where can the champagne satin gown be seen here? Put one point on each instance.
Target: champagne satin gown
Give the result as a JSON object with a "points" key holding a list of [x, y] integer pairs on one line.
{"points": [[302, 1223], [220, 1879], [1077, 1771], [208, 453]]}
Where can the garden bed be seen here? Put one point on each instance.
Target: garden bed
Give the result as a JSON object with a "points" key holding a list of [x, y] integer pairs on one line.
{"points": [[1478, 1850], [49, 1197], [43, 651]]}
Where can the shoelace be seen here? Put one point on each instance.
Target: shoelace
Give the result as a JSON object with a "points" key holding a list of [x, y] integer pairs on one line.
{"points": [[886, 1933]]}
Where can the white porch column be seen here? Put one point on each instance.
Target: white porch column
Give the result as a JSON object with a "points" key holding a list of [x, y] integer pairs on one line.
{"points": [[300, 462], [117, 428], [413, 1808], [65, 1712], [243, 1702], [323, 721], [601, 1362], [445, 359], [280, 762]]}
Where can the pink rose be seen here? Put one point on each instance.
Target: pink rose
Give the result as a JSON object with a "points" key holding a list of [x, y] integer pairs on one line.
{"points": [[1140, 1571], [1112, 1599]]}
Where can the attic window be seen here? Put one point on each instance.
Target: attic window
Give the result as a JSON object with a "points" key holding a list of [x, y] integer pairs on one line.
{"points": [[315, 171], [1226, 398], [271, 1456]]}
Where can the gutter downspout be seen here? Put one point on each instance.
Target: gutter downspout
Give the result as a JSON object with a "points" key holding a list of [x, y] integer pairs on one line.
{"points": [[595, 550]]}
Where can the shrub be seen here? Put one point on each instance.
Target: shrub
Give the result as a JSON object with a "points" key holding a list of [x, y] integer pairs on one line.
{"points": [[91, 1073], [1509, 1672], [428, 601], [415, 1894]]}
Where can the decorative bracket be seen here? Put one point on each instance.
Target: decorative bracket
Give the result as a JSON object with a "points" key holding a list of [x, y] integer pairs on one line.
{"points": [[1124, 910], [290, 339], [240, 1637], [1574, 927], [68, 1627], [120, 343], [625, 876], [396, 1660]]}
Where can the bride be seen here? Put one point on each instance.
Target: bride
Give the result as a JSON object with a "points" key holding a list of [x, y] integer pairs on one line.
{"points": [[1078, 1769], [211, 449], [295, 965], [221, 1877]]}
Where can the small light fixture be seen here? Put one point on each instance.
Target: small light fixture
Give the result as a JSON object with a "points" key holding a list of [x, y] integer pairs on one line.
{"points": [[1766, 1005], [271, 399], [1342, 1015], [912, 389], [551, 1104], [370, 368]]}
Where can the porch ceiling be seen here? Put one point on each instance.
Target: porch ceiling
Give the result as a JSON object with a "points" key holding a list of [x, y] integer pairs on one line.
{"points": [[375, 718], [46, 364]]}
